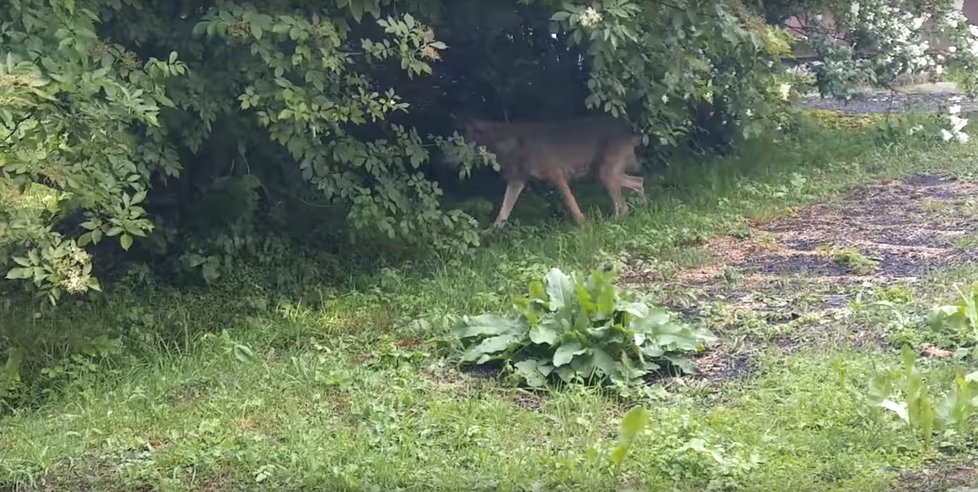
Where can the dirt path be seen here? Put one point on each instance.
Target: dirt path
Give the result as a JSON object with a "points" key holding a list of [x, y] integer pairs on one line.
{"points": [[795, 277], [910, 228]]}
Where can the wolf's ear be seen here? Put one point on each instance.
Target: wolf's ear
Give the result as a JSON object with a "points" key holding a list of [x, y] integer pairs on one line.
{"points": [[475, 128], [479, 125]]}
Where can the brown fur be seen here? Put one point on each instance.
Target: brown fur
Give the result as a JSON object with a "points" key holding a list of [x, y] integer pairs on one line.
{"points": [[559, 152]]}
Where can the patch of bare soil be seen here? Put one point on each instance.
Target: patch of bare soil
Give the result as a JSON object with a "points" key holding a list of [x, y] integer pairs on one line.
{"points": [[939, 478], [900, 224], [895, 233]]}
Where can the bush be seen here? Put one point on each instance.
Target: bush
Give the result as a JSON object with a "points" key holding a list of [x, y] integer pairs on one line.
{"points": [[581, 331]]}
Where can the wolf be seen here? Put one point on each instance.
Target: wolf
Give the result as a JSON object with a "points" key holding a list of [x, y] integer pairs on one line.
{"points": [[559, 152]]}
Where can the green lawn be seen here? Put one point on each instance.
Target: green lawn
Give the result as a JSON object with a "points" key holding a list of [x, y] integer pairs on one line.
{"points": [[311, 377]]}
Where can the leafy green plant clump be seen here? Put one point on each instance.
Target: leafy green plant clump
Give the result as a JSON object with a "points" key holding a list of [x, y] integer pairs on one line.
{"points": [[853, 260], [958, 321], [581, 330], [903, 391]]}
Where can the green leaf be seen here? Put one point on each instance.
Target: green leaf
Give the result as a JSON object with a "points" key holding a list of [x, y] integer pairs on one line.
{"points": [[489, 325], [684, 364], [546, 332], [604, 362], [490, 346], [898, 408], [125, 241], [633, 423], [20, 273], [565, 353], [560, 16], [537, 291], [560, 289], [210, 272], [636, 309], [356, 8], [530, 371], [566, 374], [243, 353]]}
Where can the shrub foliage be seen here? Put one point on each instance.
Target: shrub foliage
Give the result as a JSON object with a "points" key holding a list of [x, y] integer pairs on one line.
{"points": [[172, 129]]}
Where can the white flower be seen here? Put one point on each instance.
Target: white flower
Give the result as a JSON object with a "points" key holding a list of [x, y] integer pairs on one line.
{"points": [[74, 283], [939, 70], [665, 99], [954, 109], [590, 17], [749, 113], [785, 91], [946, 135], [952, 49], [954, 18], [957, 122], [854, 8], [973, 29], [916, 128], [962, 137], [917, 23]]}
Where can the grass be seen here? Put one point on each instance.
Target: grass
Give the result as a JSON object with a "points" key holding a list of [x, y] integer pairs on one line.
{"points": [[346, 381], [854, 260]]}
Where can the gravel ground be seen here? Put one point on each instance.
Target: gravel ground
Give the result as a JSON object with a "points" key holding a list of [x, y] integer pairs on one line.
{"points": [[923, 97]]}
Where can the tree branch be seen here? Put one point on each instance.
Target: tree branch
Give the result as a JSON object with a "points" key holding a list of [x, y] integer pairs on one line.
{"points": [[16, 127]]}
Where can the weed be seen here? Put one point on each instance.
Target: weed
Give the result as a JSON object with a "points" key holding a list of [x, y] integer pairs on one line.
{"points": [[580, 331], [931, 205], [766, 241], [852, 260], [958, 322], [741, 231], [731, 275], [966, 242], [904, 392]]}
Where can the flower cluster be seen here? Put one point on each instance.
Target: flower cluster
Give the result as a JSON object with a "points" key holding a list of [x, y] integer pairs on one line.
{"points": [[955, 125], [897, 35], [590, 17], [879, 41]]}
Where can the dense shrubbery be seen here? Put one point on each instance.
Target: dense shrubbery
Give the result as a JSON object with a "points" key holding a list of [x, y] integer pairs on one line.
{"points": [[176, 130]]}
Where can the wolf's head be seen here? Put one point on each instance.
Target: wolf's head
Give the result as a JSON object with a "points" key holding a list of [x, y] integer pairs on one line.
{"points": [[495, 136]]}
